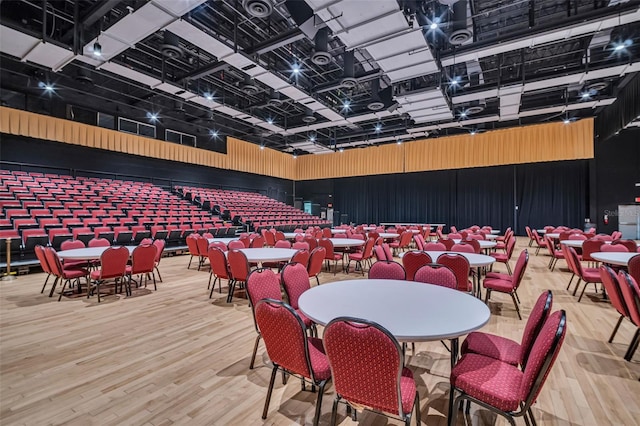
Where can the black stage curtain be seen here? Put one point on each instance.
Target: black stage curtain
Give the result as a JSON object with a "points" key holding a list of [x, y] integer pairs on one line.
{"points": [[623, 111], [545, 193], [553, 193]]}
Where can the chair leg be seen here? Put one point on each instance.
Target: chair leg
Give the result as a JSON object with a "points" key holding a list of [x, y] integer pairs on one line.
{"points": [[633, 346], [452, 413], [53, 286], [487, 296], [569, 285], [615, 329], [214, 286], [508, 267], [517, 297], [334, 411], [159, 276], [45, 283], [62, 290], [575, 290], [190, 259], [232, 288], [417, 404], [513, 297], [584, 287], [269, 391], [316, 418], [255, 351]]}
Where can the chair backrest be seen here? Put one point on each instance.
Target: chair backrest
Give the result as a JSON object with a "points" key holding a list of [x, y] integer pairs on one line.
{"points": [[313, 243], [539, 314], [301, 256], [629, 244], [366, 364], [542, 356], [460, 267], [262, 283], [258, 242], [113, 262], [576, 236], [590, 246], [236, 245], [159, 249], [328, 246], [434, 273], [245, 240], [454, 236], [284, 336], [568, 258], [238, 265], [419, 239], [192, 244], [218, 262], [528, 231], [463, 248], [99, 242], [148, 241], [203, 246], [387, 270], [280, 236], [367, 251], [53, 261], [475, 244], [634, 267], [431, 246], [326, 232], [613, 289], [300, 245], [269, 238], [283, 244], [143, 259], [316, 258], [511, 244], [71, 244], [295, 281], [619, 248], [414, 260], [631, 294], [378, 251], [520, 268], [539, 240], [387, 251], [42, 258]]}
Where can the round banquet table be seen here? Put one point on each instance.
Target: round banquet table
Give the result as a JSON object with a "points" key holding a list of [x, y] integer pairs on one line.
{"points": [[614, 258], [491, 236], [226, 241], [495, 231], [292, 235], [484, 244], [339, 230], [411, 311], [385, 235], [87, 253], [346, 242], [553, 235], [268, 254], [541, 231]]}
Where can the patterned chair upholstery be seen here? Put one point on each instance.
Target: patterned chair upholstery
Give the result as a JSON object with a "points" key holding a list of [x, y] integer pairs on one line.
{"points": [[290, 349], [295, 281], [414, 260], [507, 350], [460, 267], [631, 293], [509, 286], [502, 387], [262, 284], [367, 366], [614, 291], [436, 274], [387, 270]]}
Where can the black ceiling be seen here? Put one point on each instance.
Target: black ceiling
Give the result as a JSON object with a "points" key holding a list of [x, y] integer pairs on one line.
{"points": [[284, 39]]}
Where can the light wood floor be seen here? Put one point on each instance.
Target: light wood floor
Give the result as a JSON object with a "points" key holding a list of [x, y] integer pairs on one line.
{"points": [[176, 357]]}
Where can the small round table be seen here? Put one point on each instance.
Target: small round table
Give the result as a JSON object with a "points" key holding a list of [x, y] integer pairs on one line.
{"points": [[411, 311], [388, 235], [87, 253], [268, 254], [484, 244], [346, 242], [614, 258], [226, 241]]}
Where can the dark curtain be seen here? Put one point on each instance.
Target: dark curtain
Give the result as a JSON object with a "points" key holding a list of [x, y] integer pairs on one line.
{"points": [[552, 194], [624, 110], [484, 196]]}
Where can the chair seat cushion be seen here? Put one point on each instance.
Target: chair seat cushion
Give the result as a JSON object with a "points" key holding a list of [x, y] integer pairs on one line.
{"points": [[74, 264], [407, 389], [496, 347], [498, 275], [318, 358], [355, 256], [504, 286], [70, 274], [489, 380], [591, 275], [306, 320], [500, 257]]}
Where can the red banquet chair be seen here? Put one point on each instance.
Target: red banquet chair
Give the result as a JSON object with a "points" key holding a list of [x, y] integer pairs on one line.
{"points": [[368, 371], [509, 285], [434, 273], [614, 291], [113, 265], [295, 281], [262, 284], [290, 350], [316, 259], [143, 261], [504, 388], [414, 260], [387, 270], [631, 294], [239, 271], [507, 350]]}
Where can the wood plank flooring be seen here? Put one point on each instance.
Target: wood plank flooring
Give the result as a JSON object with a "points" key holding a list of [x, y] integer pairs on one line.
{"points": [[174, 356]]}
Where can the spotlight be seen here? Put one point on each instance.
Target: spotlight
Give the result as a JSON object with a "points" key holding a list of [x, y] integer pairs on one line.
{"points": [[346, 105], [566, 121], [152, 116], [341, 150], [295, 69], [97, 49], [208, 96], [213, 133], [621, 47], [455, 81], [312, 138], [270, 120], [473, 132], [378, 128], [463, 114], [399, 141], [261, 146], [295, 156], [585, 95]]}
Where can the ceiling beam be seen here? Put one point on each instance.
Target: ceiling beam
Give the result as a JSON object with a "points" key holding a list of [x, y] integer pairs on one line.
{"points": [[204, 71], [276, 42], [102, 8], [367, 76]]}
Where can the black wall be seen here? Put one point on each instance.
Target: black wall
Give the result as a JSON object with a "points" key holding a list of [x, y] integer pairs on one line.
{"points": [[618, 170], [63, 158], [545, 193]]}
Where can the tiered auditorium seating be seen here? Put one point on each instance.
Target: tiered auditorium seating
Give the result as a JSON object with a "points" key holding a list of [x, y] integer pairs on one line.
{"points": [[256, 210], [38, 208]]}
